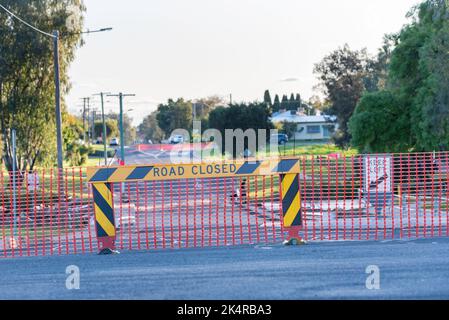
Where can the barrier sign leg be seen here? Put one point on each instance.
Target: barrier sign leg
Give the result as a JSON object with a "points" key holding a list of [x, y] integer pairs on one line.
{"points": [[104, 217], [291, 208]]}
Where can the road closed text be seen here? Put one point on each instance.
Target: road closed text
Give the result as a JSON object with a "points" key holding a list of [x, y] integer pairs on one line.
{"points": [[194, 170]]}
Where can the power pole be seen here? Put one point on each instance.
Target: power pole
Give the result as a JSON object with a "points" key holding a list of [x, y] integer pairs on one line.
{"points": [[94, 117], [101, 94], [58, 99], [84, 119], [122, 134], [88, 120]]}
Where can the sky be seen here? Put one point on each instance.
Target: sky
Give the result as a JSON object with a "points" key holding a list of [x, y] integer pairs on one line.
{"points": [[160, 49]]}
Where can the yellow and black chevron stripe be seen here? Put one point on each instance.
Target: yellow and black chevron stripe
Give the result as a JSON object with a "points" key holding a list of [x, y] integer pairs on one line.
{"points": [[104, 212], [193, 170], [291, 200]]}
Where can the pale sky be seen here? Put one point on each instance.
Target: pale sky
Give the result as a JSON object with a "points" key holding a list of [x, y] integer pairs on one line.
{"points": [[162, 49]]}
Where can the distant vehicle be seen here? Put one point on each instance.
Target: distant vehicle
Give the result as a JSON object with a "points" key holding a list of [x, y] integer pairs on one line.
{"points": [[176, 139], [150, 142], [99, 140], [114, 142], [281, 137], [247, 153]]}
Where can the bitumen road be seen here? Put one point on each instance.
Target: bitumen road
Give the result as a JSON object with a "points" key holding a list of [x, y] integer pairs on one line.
{"points": [[323, 270]]}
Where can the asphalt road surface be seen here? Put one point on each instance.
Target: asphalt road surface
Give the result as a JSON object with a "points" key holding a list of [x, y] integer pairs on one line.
{"points": [[335, 270], [134, 157]]}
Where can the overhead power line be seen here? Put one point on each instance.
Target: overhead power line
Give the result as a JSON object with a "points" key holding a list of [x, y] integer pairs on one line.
{"points": [[26, 23]]}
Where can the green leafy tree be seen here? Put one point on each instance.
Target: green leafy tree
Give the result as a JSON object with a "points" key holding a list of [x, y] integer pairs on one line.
{"points": [[276, 104], [174, 115], [76, 153], [417, 83], [240, 116], [376, 77], [342, 74], [27, 76], [419, 73], [149, 129], [293, 105], [379, 124], [285, 104], [111, 128], [267, 98], [205, 105], [130, 132], [298, 101], [289, 128]]}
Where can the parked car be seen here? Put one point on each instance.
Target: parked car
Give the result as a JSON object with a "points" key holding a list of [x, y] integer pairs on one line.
{"points": [[176, 139], [281, 137], [114, 142]]}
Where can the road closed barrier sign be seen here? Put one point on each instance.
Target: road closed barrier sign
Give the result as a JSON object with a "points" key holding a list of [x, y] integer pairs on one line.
{"points": [[191, 171], [102, 180]]}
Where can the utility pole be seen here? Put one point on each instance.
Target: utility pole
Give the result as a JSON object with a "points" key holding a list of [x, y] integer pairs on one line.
{"points": [[84, 119], [88, 120], [94, 117], [14, 178], [101, 94], [58, 100], [122, 134], [58, 93], [194, 110]]}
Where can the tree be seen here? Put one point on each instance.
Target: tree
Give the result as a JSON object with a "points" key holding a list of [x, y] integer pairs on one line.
{"points": [[76, 152], [27, 76], [431, 111], [276, 104], [342, 74], [149, 129], [298, 100], [293, 105], [240, 116], [419, 74], [416, 82], [285, 103], [290, 129], [130, 132], [112, 129], [205, 105], [174, 115], [379, 124], [376, 77], [267, 98]]}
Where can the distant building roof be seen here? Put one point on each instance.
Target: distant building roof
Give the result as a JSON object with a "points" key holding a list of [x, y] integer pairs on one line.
{"points": [[289, 116]]}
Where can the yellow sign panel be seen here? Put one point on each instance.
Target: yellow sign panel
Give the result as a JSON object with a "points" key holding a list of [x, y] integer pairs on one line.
{"points": [[193, 170]]}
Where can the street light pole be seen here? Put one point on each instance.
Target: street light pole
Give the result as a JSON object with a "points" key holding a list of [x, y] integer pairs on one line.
{"points": [[84, 119], [58, 93], [58, 99], [122, 134], [88, 121], [104, 131], [101, 94]]}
